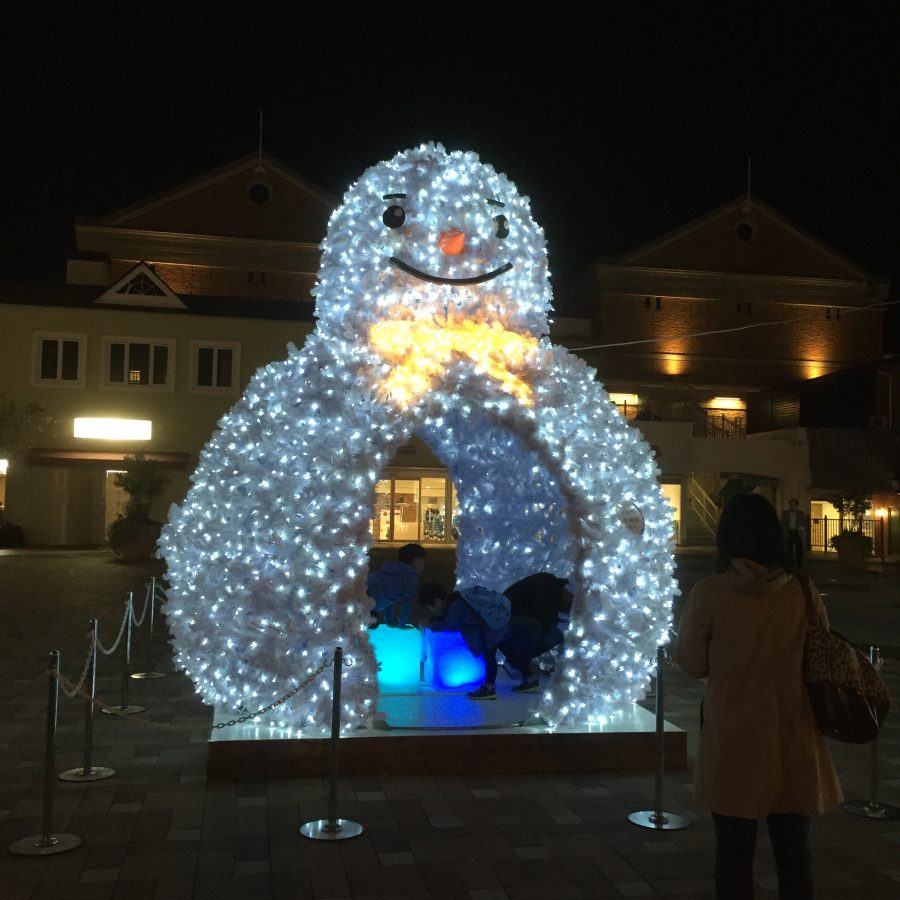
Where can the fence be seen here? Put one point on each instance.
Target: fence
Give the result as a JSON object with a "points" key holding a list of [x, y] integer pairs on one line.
{"points": [[823, 530]]}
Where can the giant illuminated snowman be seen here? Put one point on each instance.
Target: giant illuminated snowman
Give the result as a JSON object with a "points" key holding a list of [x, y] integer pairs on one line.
{"points": [[432, 303]]}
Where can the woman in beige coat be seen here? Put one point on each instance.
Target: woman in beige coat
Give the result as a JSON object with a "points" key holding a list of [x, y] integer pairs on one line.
{"points": [[761, 755]]}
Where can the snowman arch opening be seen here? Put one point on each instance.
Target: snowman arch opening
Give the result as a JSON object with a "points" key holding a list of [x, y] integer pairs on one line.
{"points": [[431, 306]]}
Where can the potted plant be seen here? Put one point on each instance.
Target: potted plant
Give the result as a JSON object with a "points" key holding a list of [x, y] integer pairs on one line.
{"points": [[133, 535], [852, 544]]}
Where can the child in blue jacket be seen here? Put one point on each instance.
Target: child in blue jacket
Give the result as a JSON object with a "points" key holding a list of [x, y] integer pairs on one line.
{"points": [[479, 615], [394, 585]]}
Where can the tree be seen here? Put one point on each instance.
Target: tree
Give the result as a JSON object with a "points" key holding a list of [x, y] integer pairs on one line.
{"points": [[134, 534], [21, 426], [852, 506]]}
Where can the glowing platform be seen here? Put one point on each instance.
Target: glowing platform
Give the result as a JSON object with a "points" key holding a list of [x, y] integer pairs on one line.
{"points": [[427, 732]]}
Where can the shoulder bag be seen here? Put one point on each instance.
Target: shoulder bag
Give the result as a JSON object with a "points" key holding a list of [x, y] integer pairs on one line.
{"points": [[849, 698]]}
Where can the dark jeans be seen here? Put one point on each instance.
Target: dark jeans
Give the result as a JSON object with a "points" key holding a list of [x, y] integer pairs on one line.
{"points": [[490, 665], [525, 639], [736, 842], [795, 547]]}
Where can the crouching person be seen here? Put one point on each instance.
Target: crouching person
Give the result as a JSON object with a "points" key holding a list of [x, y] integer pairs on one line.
{"points": [[540, 606], [393, 586], [479, 615]]}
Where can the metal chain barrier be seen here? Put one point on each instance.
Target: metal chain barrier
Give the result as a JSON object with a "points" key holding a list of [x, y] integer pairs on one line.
{"points": [[72, 690], [118, 636], [285, 698]]}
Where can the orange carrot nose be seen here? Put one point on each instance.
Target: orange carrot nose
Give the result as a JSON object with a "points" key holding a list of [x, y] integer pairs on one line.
{"points": [[452, 242]]}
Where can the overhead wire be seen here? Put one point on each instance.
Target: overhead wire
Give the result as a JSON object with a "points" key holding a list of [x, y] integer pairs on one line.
{"points": [[677, 337]]}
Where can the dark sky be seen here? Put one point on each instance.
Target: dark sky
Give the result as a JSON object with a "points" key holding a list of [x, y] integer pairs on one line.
{"points": [[620, 123]]}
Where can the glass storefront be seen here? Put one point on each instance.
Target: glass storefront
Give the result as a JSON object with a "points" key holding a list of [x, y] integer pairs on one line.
{"points": [[413, 507]]}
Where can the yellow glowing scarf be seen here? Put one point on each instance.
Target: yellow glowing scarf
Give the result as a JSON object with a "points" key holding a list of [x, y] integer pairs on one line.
{"points": [[422, 350]]}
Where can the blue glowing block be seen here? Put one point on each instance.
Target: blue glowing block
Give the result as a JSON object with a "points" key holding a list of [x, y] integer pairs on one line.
{"points": [[399, 651], [448, 661]]}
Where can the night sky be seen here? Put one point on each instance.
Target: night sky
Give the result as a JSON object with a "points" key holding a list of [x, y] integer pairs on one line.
{"points": [[619, 124]]}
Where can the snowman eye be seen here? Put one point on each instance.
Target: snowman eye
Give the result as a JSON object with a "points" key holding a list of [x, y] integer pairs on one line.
{"points": [[501, 227], [394, 216]]}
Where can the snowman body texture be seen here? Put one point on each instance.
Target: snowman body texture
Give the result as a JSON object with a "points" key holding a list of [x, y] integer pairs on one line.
{"points": [[431, 306]]}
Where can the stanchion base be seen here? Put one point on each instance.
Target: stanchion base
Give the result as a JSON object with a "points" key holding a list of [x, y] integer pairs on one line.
{"points": [[882, 811], [45, 845], [123, 710], [663, 821], [142, 675], [325, 830], [95, 773]]}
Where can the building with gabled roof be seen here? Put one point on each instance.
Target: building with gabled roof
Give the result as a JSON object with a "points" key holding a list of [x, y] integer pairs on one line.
{"points": [[172, 303], [685, 329]]}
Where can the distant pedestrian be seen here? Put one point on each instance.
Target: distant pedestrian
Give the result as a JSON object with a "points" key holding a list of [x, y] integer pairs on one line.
{"points": [[761, 755], [795, 524]]}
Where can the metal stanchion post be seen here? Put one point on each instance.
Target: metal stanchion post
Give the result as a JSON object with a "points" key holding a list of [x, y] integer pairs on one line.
{"points": [[124, 709], [47, 843], [333, 828], [656, 818], [874, 809], [87, 771], [150, 673]]}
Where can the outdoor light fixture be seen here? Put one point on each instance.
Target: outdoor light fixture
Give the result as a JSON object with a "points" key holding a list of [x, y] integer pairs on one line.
{"points": [[114, 429], [4, 465], [725, 403]]}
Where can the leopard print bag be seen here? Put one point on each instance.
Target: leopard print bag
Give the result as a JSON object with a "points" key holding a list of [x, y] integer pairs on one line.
{"points": [[849, 698]]}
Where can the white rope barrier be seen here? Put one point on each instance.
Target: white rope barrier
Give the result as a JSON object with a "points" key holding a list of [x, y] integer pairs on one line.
{"points": [[140, 621], [115, 645], [76, 689]]}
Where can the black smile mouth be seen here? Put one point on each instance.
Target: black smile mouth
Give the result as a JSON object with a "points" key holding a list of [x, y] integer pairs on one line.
{"points": [[437, 279]]}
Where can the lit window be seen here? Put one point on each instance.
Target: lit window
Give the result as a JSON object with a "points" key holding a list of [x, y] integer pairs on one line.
{"points": [[215, 366], [136, 363], [628, 404], [59, 359]]}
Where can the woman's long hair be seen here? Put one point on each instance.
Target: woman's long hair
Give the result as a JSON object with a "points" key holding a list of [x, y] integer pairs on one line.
{"points": [[749, 529]]}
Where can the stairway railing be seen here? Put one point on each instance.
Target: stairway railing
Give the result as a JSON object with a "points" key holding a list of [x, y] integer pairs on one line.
{"points": [[704, 506]]}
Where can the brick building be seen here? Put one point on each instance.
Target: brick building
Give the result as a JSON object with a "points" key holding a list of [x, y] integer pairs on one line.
{"points": [[171, 304]]}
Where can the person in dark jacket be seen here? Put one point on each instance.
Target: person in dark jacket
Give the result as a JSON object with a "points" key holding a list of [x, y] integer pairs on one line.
{"points": [[539, 607], [393, 586], [479, 615]]}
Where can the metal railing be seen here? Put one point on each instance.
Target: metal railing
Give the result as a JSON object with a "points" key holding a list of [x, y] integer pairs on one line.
{"points": [[704, 506], [823, 530]]}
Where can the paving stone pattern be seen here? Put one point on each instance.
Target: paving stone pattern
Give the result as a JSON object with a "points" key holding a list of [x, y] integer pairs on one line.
{"points": [[158, 830]]}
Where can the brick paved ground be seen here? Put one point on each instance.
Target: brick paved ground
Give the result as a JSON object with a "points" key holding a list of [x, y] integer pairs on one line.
{"points": [[158, 830]]}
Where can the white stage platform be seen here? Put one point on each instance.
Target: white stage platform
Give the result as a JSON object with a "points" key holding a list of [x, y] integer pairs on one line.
{"points": [[444, 732]]}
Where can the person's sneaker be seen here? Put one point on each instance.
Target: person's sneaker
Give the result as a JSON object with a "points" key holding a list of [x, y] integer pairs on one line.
{"points": [[530, 686], [485, 692]]}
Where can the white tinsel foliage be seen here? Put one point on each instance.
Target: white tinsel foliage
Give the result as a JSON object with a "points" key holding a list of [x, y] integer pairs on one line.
{"points": [[267, 555]]}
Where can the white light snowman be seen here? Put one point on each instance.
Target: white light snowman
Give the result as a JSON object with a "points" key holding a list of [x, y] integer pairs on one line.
{"points": [[432, 303]]}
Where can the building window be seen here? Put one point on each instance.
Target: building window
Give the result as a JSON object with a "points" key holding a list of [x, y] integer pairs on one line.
{"points": [[215, 366], [133, 362], [259, 192], [627, 404], [415, 507], [744, 231], [59, 359]]}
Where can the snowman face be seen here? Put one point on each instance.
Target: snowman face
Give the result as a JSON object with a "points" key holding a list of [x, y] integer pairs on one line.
{"points": [[466, 223], [428, 231]]}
